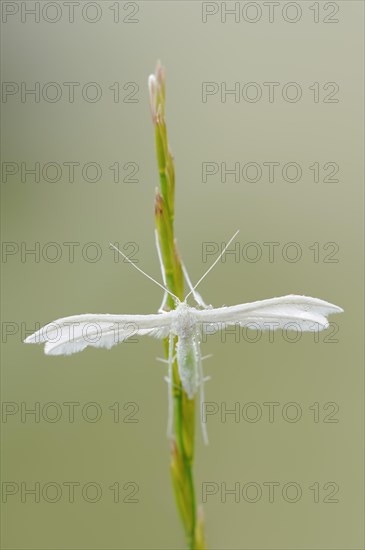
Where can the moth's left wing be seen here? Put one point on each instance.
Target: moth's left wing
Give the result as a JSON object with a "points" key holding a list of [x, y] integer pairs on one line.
{"points": [[285, 312], [72, 334]]}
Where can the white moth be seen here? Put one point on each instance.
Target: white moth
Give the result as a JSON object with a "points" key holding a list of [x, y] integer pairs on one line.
{"points": [[72, 334]]}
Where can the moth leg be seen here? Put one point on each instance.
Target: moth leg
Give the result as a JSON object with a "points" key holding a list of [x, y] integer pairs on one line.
{"points": [[202, 381], [166, 361], [167, 379], [206, 378], [202, 399], [197, 297], [170, 416], [165, 295]]}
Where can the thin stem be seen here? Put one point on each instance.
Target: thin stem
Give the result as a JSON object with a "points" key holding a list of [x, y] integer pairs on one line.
{"points": [[182, 444]]}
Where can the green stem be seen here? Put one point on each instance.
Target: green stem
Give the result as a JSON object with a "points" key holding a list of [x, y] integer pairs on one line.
{"points": [[182, 445]]}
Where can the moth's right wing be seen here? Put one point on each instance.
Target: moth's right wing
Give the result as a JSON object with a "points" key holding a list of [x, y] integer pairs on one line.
{"points": [[72, 334], [290, 312]]}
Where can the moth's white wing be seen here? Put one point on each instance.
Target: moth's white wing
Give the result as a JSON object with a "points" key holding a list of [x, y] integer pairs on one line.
{"points": [[284, 312], [72, 334]]}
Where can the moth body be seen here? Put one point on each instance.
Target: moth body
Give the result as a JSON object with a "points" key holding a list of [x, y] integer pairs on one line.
{"points": [[185, 327], [184, 321]]}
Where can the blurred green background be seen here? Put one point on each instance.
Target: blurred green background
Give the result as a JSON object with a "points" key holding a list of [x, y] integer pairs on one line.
{"points": [[313, 450]]}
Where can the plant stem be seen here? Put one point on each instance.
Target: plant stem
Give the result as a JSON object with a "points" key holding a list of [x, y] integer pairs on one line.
{"points": [[182, 443]]}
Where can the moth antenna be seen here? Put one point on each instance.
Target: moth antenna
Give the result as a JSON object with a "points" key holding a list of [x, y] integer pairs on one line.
{"points": [[199, 300], [214, 263], [162, 267], [143, 273]]}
